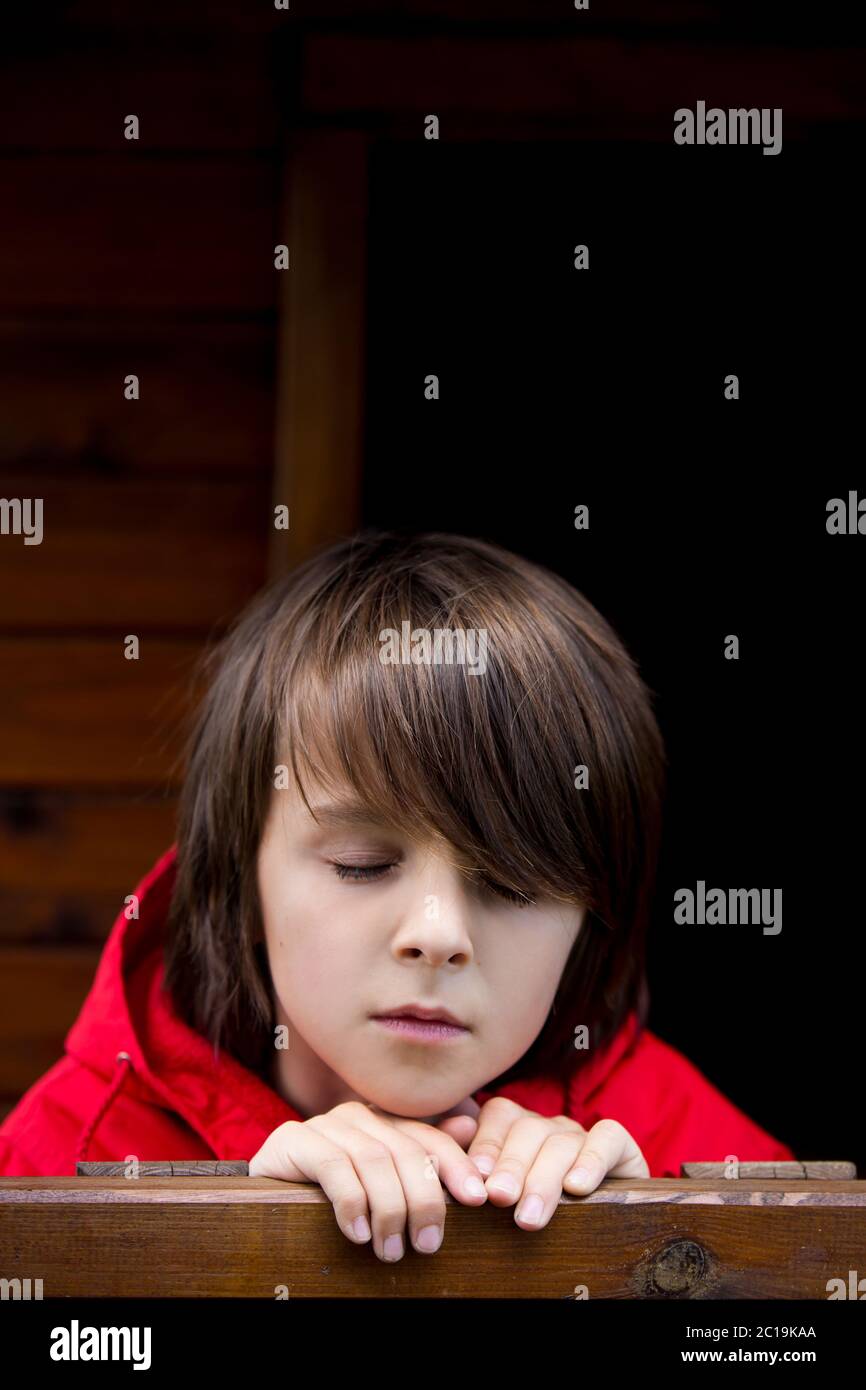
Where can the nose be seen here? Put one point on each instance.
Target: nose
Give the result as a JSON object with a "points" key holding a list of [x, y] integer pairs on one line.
{"points": [[436, 920]]}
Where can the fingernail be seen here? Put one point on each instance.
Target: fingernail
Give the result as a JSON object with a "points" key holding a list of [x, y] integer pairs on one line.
{"points": [[581, 1175], [484, 1163], [505, 1185], [532, 1210], [429, 1239], [474, 1187], [393, 1248], [360, 1227]]}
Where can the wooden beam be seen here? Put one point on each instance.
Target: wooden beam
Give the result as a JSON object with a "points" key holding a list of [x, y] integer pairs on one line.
{"points": [[227, 17], [657, 1239], [177, 1168], [320, 372], [592, 85], [822, 1169]]}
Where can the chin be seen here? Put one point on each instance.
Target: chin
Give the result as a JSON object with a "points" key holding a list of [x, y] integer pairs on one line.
{"points": [[417, 1105]]}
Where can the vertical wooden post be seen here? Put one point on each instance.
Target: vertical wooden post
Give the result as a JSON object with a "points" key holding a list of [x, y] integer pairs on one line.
{"points": [[320, 348]]}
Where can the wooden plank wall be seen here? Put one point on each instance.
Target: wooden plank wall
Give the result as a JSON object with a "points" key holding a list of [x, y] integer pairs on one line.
{"points": [[155, 258]]}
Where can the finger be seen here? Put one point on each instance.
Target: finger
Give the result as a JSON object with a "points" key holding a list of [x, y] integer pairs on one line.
{"points": [[608, 1150], [462, 1129], [469, 1107], [494, 1122], [423, 1159], [523, 1143], [295, 1153], [391, 1174], [542, 1187], [454, 1168]]}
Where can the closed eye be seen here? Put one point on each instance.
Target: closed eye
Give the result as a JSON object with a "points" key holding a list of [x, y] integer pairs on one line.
{"points": [[368, 873]]}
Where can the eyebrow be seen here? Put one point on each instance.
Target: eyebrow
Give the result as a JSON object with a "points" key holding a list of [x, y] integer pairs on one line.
{"points": [[344, 813]]}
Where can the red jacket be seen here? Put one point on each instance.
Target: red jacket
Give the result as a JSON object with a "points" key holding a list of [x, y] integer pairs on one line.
{"points": [[136, 1080]]}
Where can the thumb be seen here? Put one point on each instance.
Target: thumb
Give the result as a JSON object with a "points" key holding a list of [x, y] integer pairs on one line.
{"points": [[468, 1107], [461, 1122]]}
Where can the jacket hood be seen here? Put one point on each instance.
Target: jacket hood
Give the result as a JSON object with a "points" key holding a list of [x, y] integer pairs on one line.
{"points": [[128, 1033]]}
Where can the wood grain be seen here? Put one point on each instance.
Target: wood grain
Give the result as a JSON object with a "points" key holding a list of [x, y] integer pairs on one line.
{"points": [[229, 18], [816, 1170], [68, 860], [135, 233], [205, 407], [41, 992], [600, 85], [167, 553], [178, 1168], [77, 713], [202, 94], [657, 1239], [318, 453]]}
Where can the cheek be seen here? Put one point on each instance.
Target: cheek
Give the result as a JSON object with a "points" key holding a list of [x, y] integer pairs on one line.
{"points": [[312, 963], [293, 918], [526, 985]]}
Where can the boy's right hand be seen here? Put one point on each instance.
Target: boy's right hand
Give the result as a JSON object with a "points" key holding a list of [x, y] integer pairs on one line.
{"points": [[376, 1169]]}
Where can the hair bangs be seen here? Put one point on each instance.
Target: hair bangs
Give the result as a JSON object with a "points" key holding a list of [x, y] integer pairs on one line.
{"points": [[439, 754]]}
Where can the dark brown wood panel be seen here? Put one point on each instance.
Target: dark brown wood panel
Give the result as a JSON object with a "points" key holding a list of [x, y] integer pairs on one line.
{"points": [[68, 862], [133, 232], [168, 554], [41, 992], [229, 16], [595, 84], [77, 713], [206, 402], [498, 12], [197, 94]]}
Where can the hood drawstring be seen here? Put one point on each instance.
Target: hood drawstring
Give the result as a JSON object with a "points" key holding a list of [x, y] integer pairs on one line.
{"points": [[113, 1090]]}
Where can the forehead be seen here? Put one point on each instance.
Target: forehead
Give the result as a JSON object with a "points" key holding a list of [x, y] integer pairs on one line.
{"points": [[333, 805]]}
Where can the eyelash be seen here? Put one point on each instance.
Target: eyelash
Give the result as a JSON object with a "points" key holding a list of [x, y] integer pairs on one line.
{"points": [[369, 874]]}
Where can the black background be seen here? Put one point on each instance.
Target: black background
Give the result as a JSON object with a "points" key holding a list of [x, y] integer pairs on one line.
{"points": [[707, 517]]}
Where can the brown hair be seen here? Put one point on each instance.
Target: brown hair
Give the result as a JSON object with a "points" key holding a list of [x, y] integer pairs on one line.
{"points": [[486, 761]]}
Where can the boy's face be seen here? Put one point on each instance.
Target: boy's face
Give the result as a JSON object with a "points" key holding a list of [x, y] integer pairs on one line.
{"points": [[343, 950]]}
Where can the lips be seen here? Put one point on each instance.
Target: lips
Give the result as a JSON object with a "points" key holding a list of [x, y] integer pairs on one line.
{"points": [[422, 1014]]}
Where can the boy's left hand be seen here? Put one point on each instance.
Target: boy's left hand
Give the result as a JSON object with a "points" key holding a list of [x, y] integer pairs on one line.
{"points": [[539, 1153]]}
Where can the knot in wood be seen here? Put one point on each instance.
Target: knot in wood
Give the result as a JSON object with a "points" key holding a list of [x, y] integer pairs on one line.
{"points": [[678, 1267]]}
